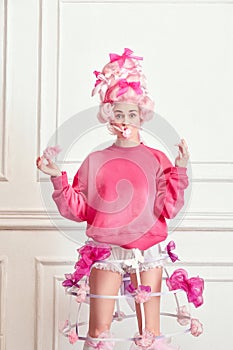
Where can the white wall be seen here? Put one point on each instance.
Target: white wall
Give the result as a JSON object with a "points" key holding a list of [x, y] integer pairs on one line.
{"points": [[48, 50]]}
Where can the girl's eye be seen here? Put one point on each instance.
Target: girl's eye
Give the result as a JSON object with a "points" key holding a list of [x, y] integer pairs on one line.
{"points": [[132, 115], [118, 116]]}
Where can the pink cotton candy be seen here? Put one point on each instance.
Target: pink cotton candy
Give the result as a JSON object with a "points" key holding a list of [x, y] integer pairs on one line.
{"points": [[73, 337], [196, 327], [82, 292], [51, 152], [141, 294], [183, 317], [146, 339]]}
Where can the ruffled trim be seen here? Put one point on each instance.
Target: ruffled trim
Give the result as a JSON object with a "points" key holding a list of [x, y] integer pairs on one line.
{"points": [[146, 267], [108, 267]]}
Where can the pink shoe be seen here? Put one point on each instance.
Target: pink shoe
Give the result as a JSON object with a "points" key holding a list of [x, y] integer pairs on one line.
{"points": [[93, 344]]}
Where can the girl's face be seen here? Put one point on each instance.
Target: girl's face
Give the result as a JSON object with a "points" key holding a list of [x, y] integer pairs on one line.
{"points": [[126, 113], [126, 116]]}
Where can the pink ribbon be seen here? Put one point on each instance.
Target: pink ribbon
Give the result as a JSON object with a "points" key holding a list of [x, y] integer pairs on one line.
{"points": [[121, 59], [171, 246], [124, 86], [193, 286], [89, 254]]}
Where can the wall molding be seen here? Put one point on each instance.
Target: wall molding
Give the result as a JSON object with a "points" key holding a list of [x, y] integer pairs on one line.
{"points": [[192, 2], [50, 221], [41, 263], [3, 69], [3, 293]]}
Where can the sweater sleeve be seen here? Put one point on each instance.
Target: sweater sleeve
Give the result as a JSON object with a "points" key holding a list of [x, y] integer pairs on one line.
{"points": [[171, 183], [70, 200]]}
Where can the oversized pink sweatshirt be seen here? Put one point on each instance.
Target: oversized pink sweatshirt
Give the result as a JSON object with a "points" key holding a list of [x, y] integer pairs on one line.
{"points": [[124, 194]]}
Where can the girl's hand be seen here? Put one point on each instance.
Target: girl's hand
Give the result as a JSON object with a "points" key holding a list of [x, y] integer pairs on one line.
{"points": [[183, 156], [49, 169]]}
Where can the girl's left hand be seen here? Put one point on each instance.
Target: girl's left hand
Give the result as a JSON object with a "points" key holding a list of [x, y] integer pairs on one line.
{"points": [[183, 156]]}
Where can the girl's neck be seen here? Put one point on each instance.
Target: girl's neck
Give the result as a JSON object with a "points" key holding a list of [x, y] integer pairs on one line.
{"points": [[127, 142]]}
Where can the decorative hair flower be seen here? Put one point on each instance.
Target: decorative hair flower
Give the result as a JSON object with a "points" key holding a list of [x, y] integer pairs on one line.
{"points": [[51, 152], [196, 327], [82, 292], [183, 316], [141, 294], [73, 337], [193, 286], [171, 246]]}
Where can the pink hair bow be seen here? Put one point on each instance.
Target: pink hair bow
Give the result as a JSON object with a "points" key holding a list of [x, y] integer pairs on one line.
{"points": [[171, 246], [192, 286], [124, 86], [121, 59], [89, 254]]}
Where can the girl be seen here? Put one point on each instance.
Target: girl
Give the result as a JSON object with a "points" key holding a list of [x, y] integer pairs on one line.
{"points": [[124, 193]]}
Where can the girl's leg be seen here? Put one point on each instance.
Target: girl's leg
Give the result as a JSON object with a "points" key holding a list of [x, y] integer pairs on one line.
{"points": [[152, 278], [102, 282]]}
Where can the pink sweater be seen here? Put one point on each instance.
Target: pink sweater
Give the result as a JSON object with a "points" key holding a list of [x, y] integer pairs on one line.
{"points": [[124, 194]]}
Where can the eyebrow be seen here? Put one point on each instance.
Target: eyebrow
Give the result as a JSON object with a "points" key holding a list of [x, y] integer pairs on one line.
{"points": [[132, 110]]}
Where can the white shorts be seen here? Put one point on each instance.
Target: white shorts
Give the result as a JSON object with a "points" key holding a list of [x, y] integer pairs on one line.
{"points": [[127, 260]]}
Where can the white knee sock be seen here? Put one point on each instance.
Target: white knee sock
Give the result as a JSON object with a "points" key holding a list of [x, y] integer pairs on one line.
{"points": [[92, 343]]}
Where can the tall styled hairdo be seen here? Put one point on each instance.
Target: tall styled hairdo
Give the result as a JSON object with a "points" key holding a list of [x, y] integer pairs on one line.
{"points": [[122, 80]]}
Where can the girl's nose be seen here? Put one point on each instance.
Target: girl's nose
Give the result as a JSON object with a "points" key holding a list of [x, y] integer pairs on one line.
{"points": [[126, 120]]}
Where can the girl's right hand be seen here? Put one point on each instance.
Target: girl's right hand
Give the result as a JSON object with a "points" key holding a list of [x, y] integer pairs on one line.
{"points": [[50, 169]]}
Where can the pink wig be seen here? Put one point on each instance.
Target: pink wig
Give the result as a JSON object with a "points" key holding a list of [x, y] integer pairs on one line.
{"points": [[122, 80]]}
